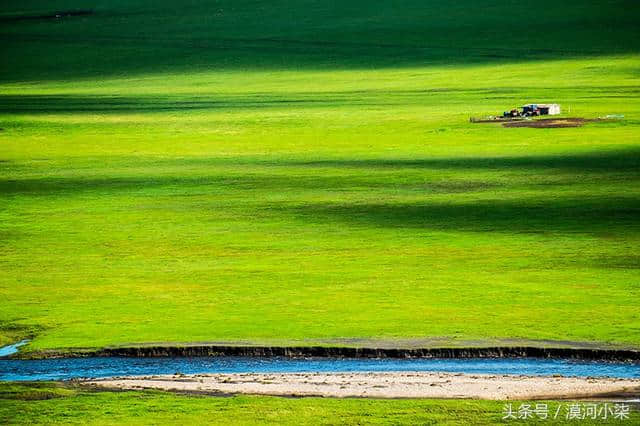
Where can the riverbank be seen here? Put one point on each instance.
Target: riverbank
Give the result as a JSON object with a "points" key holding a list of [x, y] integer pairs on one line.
{"points": [[385, 385], [44, 403], [198, 350]]}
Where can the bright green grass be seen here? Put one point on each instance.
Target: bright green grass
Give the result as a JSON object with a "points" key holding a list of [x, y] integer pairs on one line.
{"points": [[44, 403], [307, 173]]}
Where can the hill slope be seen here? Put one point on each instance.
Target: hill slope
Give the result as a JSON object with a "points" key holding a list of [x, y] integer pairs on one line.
{"points": [[307, 172]]}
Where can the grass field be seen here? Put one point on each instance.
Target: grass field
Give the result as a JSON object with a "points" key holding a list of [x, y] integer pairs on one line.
{"points": [[306, 172], [46, 402]]}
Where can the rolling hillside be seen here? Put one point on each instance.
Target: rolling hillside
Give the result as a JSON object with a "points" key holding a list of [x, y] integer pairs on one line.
{"points": [[306, 172]]}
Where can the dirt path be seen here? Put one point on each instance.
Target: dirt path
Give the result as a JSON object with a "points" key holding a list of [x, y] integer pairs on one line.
{"points": [[549, 123], [386, 385]]}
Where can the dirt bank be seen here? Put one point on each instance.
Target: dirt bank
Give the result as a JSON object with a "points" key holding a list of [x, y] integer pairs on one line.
{"points": [[549, 123], [349, 352], [385, 385], [540, 123]]}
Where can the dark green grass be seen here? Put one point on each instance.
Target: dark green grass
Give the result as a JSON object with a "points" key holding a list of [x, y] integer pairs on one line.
{"points": [[151, 36]]}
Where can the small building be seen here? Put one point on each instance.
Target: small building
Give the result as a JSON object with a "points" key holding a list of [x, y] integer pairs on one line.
{"points": [[541, 109]]}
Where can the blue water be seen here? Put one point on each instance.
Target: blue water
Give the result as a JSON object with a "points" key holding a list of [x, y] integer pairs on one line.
{"points": [[69, 368], [12, 349]]}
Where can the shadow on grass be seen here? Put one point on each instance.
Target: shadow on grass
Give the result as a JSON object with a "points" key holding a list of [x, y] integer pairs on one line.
{"points": [[624, 160], [598, 166], [60, 186], [137, 37], [91, 104], [78, 104], [35, 104], [495, 206], [602, 215], [616, 213]]}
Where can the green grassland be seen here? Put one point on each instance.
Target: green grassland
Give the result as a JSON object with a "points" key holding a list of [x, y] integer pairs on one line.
{"points": [[42, 403], [306, 172]]}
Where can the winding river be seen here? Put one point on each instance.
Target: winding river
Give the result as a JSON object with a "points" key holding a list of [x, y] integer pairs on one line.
{"points": [[70, 368]]}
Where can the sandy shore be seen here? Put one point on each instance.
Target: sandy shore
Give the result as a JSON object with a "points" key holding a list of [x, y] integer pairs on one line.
{"points": [[386, 385]]}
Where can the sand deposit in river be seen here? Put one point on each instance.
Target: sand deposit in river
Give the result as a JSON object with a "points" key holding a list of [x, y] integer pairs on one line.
{"points": [[386, 385]]}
